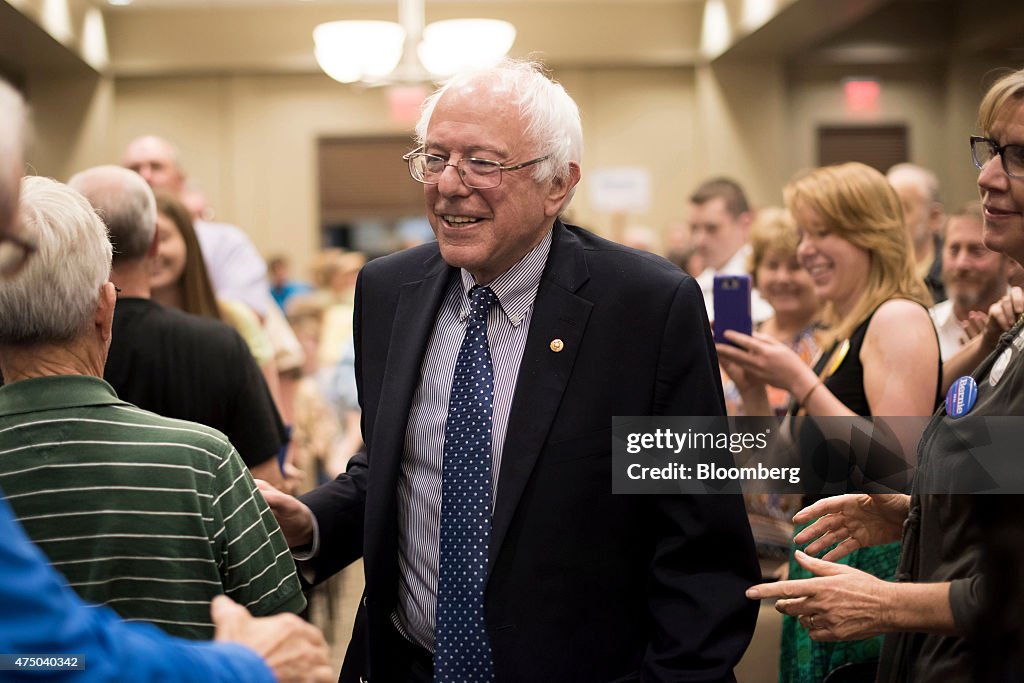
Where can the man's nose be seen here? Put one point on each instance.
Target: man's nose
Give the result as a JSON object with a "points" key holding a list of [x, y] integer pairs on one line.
{"points": [[450, 181]]}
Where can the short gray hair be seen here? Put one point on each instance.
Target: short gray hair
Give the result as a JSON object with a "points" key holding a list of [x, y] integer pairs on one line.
{"points": [[925, 179], [54, 298], [125, 203], [552, 117]]}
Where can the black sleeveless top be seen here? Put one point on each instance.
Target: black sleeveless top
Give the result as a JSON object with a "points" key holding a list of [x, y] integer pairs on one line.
{"points": [[825, 466]]}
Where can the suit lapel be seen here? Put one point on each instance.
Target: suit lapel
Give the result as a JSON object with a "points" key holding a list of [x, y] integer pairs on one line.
{"points": [[412, 326], [558, 313]]}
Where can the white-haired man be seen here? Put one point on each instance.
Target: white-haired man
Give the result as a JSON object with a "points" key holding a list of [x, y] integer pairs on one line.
{"points": [[43, 615], [237, 270], [172, 363], [918, 190], [490, 364], [150, 515]]}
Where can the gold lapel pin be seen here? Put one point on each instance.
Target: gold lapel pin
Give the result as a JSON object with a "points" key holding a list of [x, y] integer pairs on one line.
{"points": [[557, 345]]}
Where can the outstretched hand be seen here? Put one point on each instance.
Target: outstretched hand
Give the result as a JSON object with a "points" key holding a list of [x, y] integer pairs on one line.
{"points": [[839, 603], [294, 518], [854, 521], [295, 651]]}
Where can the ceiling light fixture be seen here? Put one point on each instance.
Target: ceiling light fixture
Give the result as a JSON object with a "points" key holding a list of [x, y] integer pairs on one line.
{"points": [[387, 53]]}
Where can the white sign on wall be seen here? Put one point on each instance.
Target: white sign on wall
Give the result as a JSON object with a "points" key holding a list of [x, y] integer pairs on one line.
{"points": [[620, 189]]}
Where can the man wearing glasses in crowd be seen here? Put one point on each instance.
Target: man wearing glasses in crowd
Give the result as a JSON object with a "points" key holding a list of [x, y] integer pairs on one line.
{"points": [[490, 364]]}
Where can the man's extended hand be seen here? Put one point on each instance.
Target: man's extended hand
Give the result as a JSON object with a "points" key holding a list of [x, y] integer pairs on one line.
{"points": [[854, 521], [294, 518], [295, 651]]}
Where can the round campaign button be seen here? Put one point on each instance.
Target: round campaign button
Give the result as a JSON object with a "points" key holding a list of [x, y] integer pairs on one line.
{"points": [[961, 397]]}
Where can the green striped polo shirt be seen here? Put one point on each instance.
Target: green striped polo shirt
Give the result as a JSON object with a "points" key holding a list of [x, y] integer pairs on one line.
{"points": [[149, 515]]}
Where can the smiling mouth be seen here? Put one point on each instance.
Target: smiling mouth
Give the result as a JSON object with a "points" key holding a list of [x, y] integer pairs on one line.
{"points": [[998, 213], [459, 221], [817, 270]]}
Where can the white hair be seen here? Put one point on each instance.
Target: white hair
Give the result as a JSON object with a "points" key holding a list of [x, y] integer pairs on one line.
{"points": [[55, 296], [125, 203], [925, 179], [552, 117]]}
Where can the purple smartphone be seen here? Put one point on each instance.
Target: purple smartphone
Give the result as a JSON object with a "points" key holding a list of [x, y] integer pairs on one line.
{"points": [[732, 305]]}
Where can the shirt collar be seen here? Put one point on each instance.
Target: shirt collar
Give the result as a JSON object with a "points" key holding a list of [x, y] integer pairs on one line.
{"points": [[516, 288], [942, 314], [55, 393], [945, 316]]}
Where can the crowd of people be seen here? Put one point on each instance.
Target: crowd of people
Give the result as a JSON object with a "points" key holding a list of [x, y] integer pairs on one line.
{"points": [[180, 423]]}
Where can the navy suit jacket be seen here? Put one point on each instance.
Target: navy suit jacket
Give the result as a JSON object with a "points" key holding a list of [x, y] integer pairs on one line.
{"points": [[583, 585]]}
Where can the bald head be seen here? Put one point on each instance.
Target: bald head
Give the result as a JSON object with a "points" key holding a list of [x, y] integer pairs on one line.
{"points": [[157, 161], [125, 203]]}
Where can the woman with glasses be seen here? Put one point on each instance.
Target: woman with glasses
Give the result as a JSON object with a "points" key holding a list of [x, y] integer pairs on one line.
{"points": [[881, 358], [947, 619]]}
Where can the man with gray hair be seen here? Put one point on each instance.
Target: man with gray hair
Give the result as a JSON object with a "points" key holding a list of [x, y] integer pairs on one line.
{"points": [[489, 365], [918, 190], [43, 615], [167, 361], [152, 516]]}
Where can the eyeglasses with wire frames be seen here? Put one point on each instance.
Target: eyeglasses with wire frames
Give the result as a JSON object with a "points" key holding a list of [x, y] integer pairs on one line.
{"points": [[1011, 156], [480, 174], [14, 254]]}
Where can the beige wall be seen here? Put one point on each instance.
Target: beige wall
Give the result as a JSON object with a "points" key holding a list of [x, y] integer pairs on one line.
{"points": [[250, 141], [938, 106]]}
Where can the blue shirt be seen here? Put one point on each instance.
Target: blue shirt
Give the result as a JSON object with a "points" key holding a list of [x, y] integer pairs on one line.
{"points": [[288, 290], [42, 616]]}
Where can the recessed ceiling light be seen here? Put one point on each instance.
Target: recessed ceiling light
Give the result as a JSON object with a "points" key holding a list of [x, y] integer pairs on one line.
{"points": [[120, 3]]}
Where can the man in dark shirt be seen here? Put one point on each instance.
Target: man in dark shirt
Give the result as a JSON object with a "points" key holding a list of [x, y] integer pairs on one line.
{"points": [[167, 361]]}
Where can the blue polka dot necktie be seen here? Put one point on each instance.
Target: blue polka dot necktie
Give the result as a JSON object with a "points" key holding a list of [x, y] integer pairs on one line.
{"points": [[462, 652]]}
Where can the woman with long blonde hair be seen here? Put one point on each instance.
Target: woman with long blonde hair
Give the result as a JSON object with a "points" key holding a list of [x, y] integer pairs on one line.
{"points": [[881, 357], [954, 615]]}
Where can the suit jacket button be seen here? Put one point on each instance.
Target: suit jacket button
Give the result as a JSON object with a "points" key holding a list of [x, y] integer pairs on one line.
{"points": [[557, 345], [364, 601]]}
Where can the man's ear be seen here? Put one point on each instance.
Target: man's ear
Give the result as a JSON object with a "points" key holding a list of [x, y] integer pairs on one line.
{"points": [[559, 190], [746, 220], [104, 318]]}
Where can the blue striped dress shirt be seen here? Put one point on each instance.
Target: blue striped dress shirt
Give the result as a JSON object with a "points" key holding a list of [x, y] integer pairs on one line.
{"points": [[419, 479]]}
